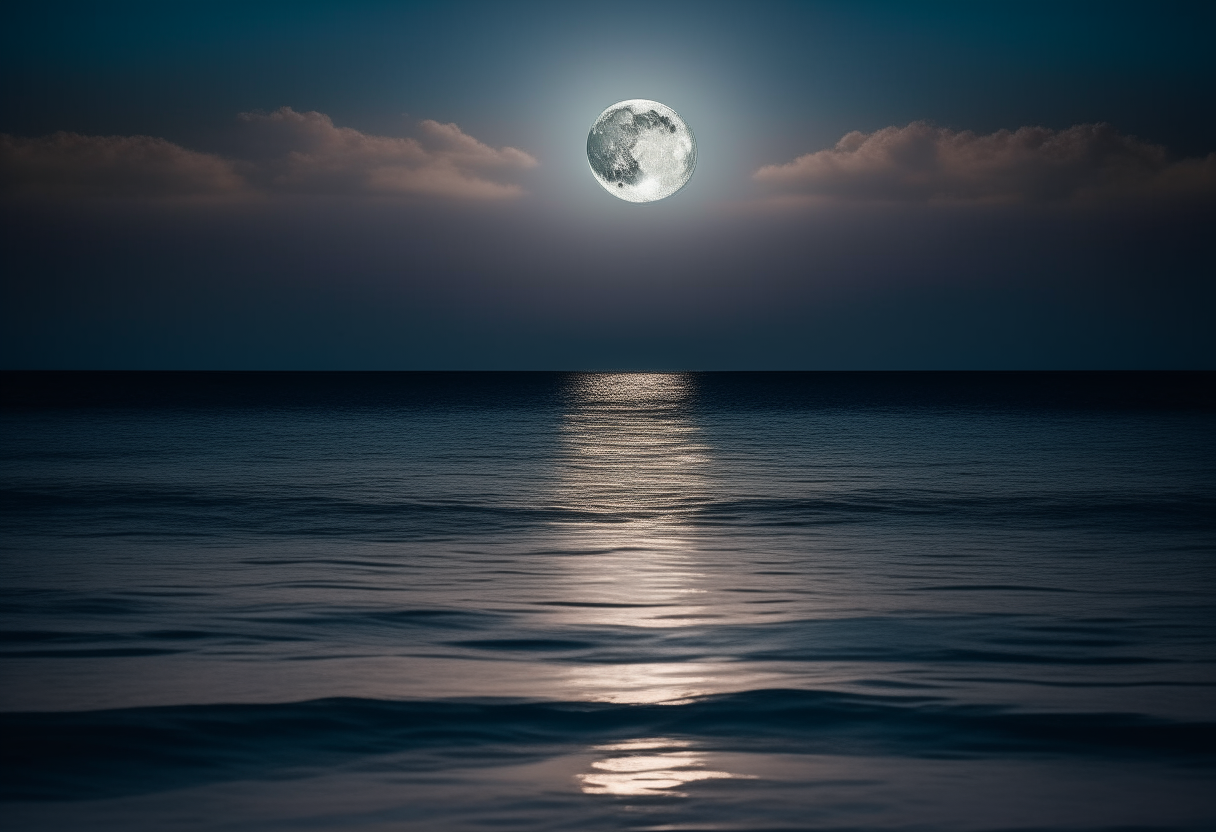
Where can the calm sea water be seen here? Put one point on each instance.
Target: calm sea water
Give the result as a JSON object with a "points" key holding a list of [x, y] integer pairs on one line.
{"points": [[595, 601]]}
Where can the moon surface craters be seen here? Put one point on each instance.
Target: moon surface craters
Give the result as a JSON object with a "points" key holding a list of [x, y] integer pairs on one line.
{"points": [[641, 150]]}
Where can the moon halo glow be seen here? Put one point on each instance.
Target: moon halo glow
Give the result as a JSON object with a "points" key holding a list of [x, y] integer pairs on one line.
{"points": [[641, 150]]}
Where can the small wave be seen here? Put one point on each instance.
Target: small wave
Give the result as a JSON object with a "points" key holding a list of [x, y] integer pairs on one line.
{"points": [[939, 642], [1191, 511], [525, 644], [991, 588], [117, 510], [83, 755], [120, 510]]}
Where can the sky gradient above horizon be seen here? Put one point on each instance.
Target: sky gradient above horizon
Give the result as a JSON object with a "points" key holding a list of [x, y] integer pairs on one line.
{"points": [[404, 186]]}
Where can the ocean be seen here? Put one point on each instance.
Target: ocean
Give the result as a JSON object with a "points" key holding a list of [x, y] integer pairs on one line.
{"points": [[596, 601]]}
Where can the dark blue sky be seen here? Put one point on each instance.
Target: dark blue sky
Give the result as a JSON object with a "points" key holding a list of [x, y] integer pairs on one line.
{"points": [[356, 230]]}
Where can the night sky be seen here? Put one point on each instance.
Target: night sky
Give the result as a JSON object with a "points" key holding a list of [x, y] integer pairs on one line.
{"points": [[405, 186]]}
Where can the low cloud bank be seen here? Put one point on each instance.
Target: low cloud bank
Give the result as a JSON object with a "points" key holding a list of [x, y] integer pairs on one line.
{"points": [[306, 152], [922, 163], [282, 151], [69, 164]]}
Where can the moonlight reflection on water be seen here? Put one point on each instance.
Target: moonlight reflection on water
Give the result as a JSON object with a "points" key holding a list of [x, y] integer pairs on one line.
{"points": [[633, 467], [648, 767], [636, 466]]}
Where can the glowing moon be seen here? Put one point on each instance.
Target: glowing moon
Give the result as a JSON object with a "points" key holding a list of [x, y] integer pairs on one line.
{"points": [[641, 150]]}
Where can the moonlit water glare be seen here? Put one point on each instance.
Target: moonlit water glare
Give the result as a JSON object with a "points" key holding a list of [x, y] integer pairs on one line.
{"points": [[634, 459], [609, 601], [633, 471]]}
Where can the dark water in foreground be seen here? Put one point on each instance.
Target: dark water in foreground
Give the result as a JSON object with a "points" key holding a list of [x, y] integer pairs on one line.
{"points": [[584, 602]]}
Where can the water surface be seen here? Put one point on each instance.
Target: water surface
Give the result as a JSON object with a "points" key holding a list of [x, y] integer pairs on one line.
{"points": [[608, 601]]}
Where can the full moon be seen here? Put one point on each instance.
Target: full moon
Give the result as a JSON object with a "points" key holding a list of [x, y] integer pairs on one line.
{"points": [[641, 151]]}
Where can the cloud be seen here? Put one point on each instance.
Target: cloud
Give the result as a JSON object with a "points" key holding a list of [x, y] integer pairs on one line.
{"points": [[1086, 163], [71, 165], [308, 153], [280, 152]]}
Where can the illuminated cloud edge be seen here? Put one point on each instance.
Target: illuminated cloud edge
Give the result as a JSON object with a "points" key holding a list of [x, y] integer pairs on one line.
{"points": [[280, 152], [922, 163]]}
